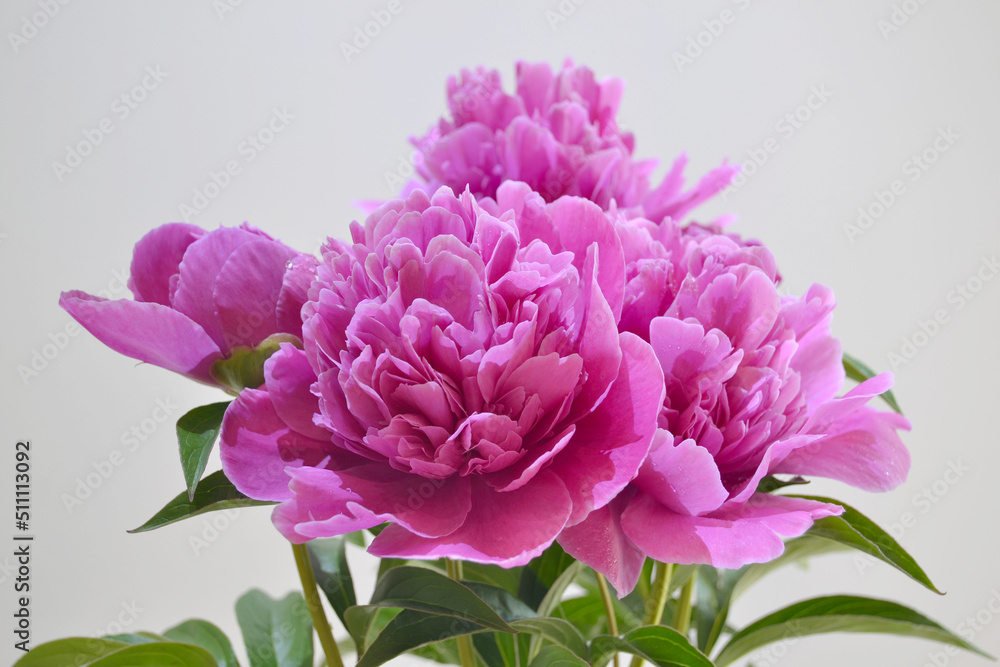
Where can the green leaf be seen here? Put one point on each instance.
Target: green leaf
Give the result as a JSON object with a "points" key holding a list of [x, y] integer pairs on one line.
{"points": [[555, 630], [771, 483], [557, 656], [410, 629], [157, 654], [554, 595], [196, 434], [860, 372], [277, 633], [796, 551], [538, 576], [657, 644], [214, 493], [715, 594], [503, 602], [838, 613], [204, 634], [91, 652], [495, 648], [136, 638], [364, 622], [508, 579], [422, 589], [329, 562], [81, 651], [854, 529]]}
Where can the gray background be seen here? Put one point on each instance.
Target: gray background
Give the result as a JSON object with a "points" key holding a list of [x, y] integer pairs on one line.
{"points": [[893, 88]]}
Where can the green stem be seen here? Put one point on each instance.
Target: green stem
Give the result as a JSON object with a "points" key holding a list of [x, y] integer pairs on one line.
{"points": [[682, 618], [609, 608], [315, 605], [466, 655], [657, 601]]}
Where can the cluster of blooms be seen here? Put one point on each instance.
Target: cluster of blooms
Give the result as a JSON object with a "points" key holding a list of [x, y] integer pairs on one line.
{"points": [[528, 347]]}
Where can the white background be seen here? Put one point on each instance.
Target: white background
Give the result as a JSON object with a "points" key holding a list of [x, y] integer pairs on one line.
{"points": [[892, 91]]}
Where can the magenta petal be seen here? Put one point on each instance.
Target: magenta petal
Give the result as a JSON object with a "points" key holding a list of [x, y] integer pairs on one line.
{"points": [[502, 528], [598, 541], [257, 447], [320, 506], [148, 332], [864, 451], [289, 378], [294, 293], [156, 259], [682, 476], [749, 533], [581, 223], [198, 271], [611, 443], [247, 289]]}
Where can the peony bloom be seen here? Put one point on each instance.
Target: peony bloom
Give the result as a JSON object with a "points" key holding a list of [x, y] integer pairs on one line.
{"points": [[559, 135], [463, 379], [751, 381], [199, 298]]}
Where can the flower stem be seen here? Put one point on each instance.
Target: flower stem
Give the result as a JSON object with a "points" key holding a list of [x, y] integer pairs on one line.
{"points": [[315, 605], [609, 608], [657, 601], [466, 655], [682, 618]]}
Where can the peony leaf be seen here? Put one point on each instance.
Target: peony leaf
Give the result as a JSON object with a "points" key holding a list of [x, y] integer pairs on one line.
{"points": [[715, 594], [556, 630], [838, 613], [209, 637], [501, 601], [157, 654], [796, 550], [277, 633], [657, 644], [854, 529], [81, 651], [141, 650], [214, 493], [538, 576], [557, 656], [859, 372], [410, 629], [196, 434], [329, 562], [429, 591]]}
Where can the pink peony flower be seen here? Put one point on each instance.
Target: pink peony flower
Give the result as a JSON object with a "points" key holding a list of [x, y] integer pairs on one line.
{"points": [[751, 382], [559, 135], [463, 379], [200, 296]]}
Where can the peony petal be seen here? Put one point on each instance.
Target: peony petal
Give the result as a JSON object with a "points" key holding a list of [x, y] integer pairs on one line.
{"points": [[198, 272], [582, 223], [600, 542], [148, 332], [749, 533], [247, 289], [156, 259], [682, 476], [289, 378], [864, 450], [258, 448], [507, 529], [294, 293], [611, 443]]}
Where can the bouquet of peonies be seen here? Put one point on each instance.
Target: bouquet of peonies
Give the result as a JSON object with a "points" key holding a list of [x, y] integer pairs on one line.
{"points": [[529, 371]]}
